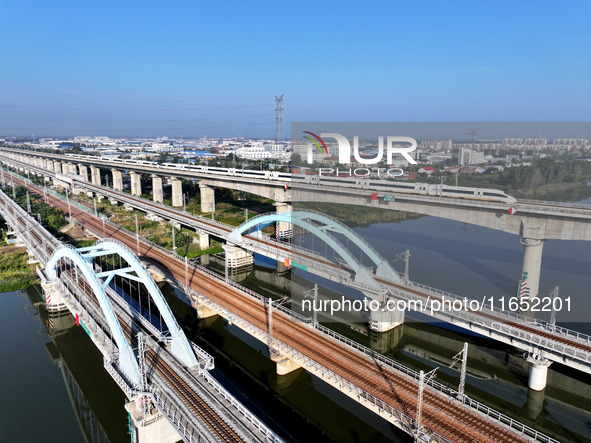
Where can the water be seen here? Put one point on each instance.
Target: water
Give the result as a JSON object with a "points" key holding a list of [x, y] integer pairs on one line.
{"points": [[37, 370], [464, 259]]}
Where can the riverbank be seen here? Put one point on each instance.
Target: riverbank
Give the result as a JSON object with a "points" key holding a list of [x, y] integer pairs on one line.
{"points": [[15, 272]]}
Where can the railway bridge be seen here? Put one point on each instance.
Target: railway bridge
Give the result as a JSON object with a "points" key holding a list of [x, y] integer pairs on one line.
{"points": [[533, 221], [382, 385], [541, 342]]}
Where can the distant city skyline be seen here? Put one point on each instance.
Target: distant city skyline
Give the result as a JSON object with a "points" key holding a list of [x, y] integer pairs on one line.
{"points": [[148, 69]]}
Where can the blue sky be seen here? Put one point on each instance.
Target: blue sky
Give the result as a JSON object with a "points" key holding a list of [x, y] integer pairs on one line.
{"points": [[158, 68]]}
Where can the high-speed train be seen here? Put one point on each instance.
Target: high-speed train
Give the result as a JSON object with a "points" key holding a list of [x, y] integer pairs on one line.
{"points": [[354, 182]]}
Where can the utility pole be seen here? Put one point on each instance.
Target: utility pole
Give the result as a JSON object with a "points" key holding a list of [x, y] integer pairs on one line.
{"points": [[406, 257], [28, 203], [554, 294], [406, 265], [186, 272], [423, 380], [278, 119], [270, 308], [245, 215], [137, 234], [96, 212], [173, 238], [314, 296], [69, 206], [463, 354], [141, 339]]}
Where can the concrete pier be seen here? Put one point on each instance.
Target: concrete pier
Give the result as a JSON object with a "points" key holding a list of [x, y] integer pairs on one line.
{"points": [[538, 371], [203, 239], [149, 426], [284, 365], [177, 192], [385, 318], [283, 230], [136, 184], [207, 198], [83, 172], [157, 193], [117, 180], [96, 175], [529, 281], [237, 257]]}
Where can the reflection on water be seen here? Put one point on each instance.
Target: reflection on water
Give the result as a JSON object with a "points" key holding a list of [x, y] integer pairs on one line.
{"points": [[469, 261], [55, 386]]}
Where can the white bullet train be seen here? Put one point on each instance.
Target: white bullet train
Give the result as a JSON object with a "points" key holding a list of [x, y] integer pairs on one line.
{"points": [[390, 186]]}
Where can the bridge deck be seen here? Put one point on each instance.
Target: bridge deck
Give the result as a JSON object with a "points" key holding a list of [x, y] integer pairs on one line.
{"points": [[444, 417]]}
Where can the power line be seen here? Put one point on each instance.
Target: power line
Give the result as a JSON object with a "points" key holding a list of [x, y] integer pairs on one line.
{"points": [[131, 121], [132, 110]]}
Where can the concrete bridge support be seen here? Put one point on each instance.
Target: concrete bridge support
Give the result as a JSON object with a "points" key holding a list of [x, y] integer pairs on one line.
{"points": [[73, 168], [117, 180], [65, 168], [386, 317], [149, 424], [96, 175], [284, 364], [237, 257], [136, 183], [207, 198], [283, 229], [83, 171], [529, 282], [202, 310], [203, 239], [538, 371], [177, 193], [157, 193], [57, 167]]}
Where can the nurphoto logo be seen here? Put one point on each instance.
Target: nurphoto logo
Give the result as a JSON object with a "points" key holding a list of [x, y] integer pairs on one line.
{"points": [[394, 145]]}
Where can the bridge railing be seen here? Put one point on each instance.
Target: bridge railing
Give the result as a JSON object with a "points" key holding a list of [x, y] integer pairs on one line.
{"points": [[249, 416], [472, 403]]}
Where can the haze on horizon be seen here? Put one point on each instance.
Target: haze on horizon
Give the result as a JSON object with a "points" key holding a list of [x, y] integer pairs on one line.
{"points": [[149, 69]]}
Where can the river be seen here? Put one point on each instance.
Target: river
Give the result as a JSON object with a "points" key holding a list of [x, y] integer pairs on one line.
{"points": [[463, 259]]}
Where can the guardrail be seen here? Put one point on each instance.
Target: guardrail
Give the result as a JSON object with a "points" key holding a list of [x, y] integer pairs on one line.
{"points": [[508, 421]]}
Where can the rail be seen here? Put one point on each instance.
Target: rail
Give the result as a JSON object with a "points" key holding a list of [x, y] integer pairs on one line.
{"points": [[472, 403]]}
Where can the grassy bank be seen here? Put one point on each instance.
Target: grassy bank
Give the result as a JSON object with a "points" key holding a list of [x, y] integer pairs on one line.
{"points": [[15, 273]]}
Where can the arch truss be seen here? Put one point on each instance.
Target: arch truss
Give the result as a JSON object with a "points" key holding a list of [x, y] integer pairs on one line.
{"points": [[83, 258], [322, 227]]}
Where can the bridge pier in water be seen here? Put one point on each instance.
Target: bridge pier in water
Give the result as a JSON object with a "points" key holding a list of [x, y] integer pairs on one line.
{"points": [[384, 320], [283, 364], [529, 281], [207, 195], [236, 257], [148, 425], [283, 229], [538, 371], [157, 193]]}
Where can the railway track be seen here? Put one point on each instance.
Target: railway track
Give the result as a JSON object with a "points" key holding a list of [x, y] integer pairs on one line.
{"points": [[217, 425], [449, 419], [387, 283]]}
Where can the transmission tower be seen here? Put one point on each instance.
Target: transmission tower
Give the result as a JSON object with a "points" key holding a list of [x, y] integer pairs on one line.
{"points": [[279, 119]]}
